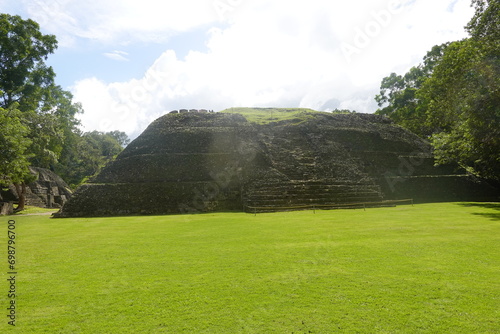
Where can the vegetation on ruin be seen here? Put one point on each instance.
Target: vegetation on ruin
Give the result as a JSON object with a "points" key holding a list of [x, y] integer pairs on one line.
{"points": [[430, 268], [269, 115]]}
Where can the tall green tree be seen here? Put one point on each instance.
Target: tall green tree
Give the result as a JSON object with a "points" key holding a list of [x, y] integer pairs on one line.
{"points": [[27, 84], [398, 94], [26, 80], [53, 128], [13, 147], [121, 137], [456, 100], [485, 24], [23, 72], [464, 97], [90, 152], [38, 118]]}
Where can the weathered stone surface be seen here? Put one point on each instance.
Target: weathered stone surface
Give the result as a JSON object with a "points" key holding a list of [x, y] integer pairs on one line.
{"points": [[202, 162], [49, 187], [48, 191]]}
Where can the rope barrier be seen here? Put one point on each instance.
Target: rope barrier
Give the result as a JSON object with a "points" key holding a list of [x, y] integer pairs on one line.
{"points": [[314, 207]]}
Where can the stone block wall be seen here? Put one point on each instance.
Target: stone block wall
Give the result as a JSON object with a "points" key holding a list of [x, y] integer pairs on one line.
{"points": [[204, 162]]}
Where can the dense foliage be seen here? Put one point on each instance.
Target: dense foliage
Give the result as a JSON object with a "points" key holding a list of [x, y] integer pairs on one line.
{"points": [[88, 153], [13, 146], [38, 119], [453, 97]]}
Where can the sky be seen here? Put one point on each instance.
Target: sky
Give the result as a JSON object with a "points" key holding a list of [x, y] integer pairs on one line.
{"points": [[128, 62]]}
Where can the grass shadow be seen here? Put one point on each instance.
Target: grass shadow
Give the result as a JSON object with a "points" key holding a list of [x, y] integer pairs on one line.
{"points": [[491, 206]]}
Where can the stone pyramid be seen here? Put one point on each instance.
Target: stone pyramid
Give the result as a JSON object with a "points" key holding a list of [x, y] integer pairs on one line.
{"points": [[203, 162]]}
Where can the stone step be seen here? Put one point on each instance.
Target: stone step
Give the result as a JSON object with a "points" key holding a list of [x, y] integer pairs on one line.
{"points": [[289, 204], [317, 182], [346, 196], [312, 196], [318, 189]]}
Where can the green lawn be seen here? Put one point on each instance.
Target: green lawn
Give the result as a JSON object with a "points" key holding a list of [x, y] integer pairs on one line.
{"points": [[29, 210], [431, 268]]}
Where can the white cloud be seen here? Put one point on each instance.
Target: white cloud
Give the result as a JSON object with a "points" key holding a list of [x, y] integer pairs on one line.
{"points": [[114, 106], [117, 55], [118, 22], [283, 54]]}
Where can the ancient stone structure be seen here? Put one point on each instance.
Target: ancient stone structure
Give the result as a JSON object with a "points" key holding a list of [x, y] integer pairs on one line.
{"points": [[202, 162], [190, 110], [47, 191]]}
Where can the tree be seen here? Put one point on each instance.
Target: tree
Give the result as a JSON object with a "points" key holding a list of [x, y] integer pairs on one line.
{"points": [[121, 137], [105, 144], [465, 96], [27, 84], [53, 127], [398, 94], [485, 24], [456, 102], [25, 79], [23, 73], [48, 132], [93, 151], [464, 108], [13, 146]]}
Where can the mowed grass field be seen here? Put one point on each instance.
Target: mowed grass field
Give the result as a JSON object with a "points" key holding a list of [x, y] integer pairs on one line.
{"points": [[430, 268]]}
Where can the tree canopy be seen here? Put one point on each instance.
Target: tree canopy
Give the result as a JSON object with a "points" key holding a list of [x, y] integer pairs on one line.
{"points": [[13, 146], [88, 153], [398, 94], [453, 97], [23, 72], [38, 119]]}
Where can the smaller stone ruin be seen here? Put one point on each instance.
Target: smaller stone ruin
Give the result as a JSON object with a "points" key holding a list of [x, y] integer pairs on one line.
{"points": [[48, 191], [49, 188]]}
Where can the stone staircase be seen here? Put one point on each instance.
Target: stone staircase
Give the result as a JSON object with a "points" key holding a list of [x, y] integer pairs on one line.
{"points": [[301, 176], [306, 192]]}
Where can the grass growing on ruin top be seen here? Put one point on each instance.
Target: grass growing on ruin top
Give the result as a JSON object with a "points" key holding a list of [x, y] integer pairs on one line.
{"points": [[432, 268], [269, 115]]}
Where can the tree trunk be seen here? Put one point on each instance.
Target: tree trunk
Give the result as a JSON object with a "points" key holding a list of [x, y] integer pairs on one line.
{"points": [[21, 194], [6, 208]]}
